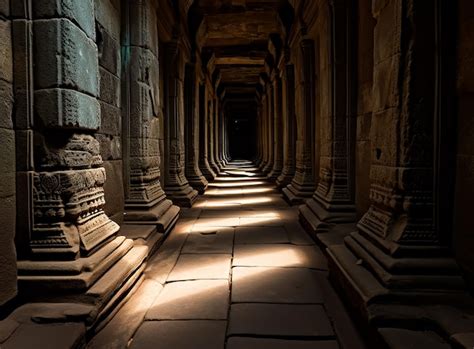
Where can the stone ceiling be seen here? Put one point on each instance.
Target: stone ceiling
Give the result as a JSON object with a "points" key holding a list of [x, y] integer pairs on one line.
{"points": [[236, 33]]}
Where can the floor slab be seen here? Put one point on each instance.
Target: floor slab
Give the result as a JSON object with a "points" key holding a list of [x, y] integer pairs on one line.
{"points": [[279, 320], [274, 255], [191, 300], [261, 235], [196, 334], [276, 285], [271, 343], [201, 266], [219, 241]]}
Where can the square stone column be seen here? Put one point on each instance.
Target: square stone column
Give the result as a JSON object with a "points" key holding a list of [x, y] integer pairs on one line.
{"points": [[218, 125], [264, 130], [193, 173], [69, 250], [212, 142], [270, 125], [277, 127], [147, 207], [399, 253], [8, 191], [302, 186], [289, 127], [206, 169], [176, 185], [333, 200]]}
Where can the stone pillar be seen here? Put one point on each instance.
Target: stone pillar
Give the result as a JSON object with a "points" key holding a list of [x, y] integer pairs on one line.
{"points": [[69, 248], [206, 170], [333, 200], [217, 133], [302, 186], [193, 173], [176, 185], [10, 78], [289, 127], [258, 155], [277, 127], [146, 204], [212, 144], [398, 253], [264, 130], [223, 139], [270, 128]]}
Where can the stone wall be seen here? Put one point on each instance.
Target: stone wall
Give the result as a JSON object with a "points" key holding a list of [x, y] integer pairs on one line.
{"points": [[464, 192], [108, 23], [8, 283]]}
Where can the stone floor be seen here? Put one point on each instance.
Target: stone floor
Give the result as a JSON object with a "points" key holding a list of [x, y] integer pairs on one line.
{"points": [[238, 271]]}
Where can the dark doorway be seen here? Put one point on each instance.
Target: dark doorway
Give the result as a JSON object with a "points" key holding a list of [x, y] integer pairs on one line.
{"points": [[242, 135]]}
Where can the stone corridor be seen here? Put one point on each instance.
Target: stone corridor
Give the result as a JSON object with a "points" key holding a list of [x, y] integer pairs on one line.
{"points": [[129, 219], [237, 272]]}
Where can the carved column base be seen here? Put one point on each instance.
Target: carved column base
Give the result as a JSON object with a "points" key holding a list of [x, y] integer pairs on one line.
{"points": [[386, 289], [101, 279], [373, 270], [285, 178], [275, 172], [182, 195], [318, 217], [300, 189], [149, 226], [215, 168], [199, 183], [268, 167], [206, 169]]}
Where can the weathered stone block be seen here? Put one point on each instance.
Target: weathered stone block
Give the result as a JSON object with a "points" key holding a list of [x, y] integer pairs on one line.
{"points": [[6, 53], [386, 82], [387, 34], [109, 88], [144, 147], [6, 104], [8, 273], [7, 163], [108, 17], [114, 194], [144, 31], [111, 119], [67, 108], [79, 12], [5, 8], [384, 133], [7, 216], [110, 147], [144, 68], [109, 51], [65, 57]]}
